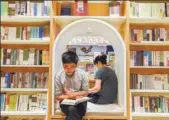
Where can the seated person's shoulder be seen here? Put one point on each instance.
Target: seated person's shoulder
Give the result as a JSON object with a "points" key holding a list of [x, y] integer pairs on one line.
{"points": [[80, 72], [60, 74]]}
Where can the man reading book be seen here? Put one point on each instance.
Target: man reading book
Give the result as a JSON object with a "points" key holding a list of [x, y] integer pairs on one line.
{"points": [[71, 83]]}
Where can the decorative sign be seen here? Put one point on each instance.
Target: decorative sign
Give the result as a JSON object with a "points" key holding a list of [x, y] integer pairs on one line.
{"points": [[88, 40]]}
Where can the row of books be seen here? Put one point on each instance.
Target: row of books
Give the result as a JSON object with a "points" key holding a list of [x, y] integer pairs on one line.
{"points": [[8, 118], [13, 102], [24, 80], [26, 8], [153, 82], [155, 34], [80, 8], [149, 58], [149, 9], [153, 104], [24, 33], [30, 56]]}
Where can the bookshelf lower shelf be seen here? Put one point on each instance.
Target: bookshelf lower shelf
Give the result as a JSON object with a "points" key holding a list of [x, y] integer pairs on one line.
{"points": [[23, 113], [135, 114]]}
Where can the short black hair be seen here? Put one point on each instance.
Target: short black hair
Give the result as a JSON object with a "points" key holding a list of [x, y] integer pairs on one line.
{"points": [[101, 58], [69, 57]]}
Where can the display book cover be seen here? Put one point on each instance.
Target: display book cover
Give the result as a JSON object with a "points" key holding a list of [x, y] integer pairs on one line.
{"points": [[76, 101], [81, 7]]}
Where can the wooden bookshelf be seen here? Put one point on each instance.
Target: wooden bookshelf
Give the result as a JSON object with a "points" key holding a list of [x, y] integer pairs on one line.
{"points": [[96, 10], [121, 23], [149, 23]]}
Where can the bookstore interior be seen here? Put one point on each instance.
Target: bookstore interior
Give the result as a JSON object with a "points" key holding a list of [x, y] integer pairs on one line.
{"points": [[134, 36]]}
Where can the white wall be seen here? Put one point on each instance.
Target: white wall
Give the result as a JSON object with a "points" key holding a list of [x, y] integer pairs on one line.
{"points": [[98, 27]]}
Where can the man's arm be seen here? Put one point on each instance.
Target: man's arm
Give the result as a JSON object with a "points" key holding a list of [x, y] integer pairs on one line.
{"points": [[59, 89]]}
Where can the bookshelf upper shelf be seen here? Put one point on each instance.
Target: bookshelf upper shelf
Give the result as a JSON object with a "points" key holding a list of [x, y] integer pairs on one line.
{"points": [[149, 70], [156, 46], [64, 20], [24, 90], [135, 114], [149, 22], [23, 113], [17, 20]]}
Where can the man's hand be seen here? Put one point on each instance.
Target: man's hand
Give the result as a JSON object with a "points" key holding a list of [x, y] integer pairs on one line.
{"points": [[69, 93], [75, 95]]}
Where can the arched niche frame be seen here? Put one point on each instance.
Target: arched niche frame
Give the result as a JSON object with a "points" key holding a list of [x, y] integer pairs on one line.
{"points": [[101, 28]]}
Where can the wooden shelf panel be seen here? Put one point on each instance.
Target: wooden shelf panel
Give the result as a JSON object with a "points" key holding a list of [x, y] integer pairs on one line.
{"points": [[25, 42], [65, 20], [152, 46], [149, 22], [25, 20], [161, 115], [93, 117], [24, 45], [24, 90], [25, 68], [149, 70], [135, 92], [23, 113]]}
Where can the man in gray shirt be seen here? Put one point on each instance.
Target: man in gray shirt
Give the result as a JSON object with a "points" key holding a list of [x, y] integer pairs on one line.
{"points": [[71, 83]]}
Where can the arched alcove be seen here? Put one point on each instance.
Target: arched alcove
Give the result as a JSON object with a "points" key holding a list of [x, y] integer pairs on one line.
{"points": [[97, 27]]}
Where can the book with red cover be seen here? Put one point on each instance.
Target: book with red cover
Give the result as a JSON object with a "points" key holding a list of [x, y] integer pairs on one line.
{"points": [[81, 7]]}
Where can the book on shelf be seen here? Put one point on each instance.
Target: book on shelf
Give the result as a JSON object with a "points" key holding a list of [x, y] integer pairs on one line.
{"points": [[114, 8], [26, 8], [149, 58], [149, 82], [24, 79], [81, 8], [149, 9], [66, 9], [25, 33], [150, 104], [14, 102], [75, 102], [27, 56], [146, 35]]}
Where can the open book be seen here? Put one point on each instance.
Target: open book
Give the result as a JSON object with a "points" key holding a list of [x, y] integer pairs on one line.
{"points": [[74, 102]]}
